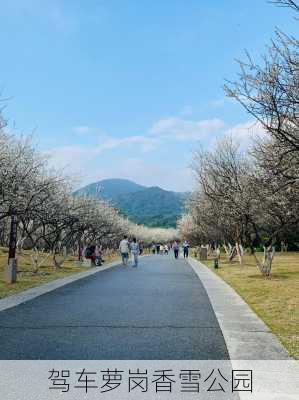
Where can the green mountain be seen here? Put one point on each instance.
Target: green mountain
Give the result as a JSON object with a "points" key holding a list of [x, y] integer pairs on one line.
{"points": [[109, 189], [151, 206]]}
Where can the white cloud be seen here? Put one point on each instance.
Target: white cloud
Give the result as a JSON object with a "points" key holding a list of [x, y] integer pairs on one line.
{"points": [[83, 161], [206, 130], [82, 129], [175, 128], [222, 101], [78, 157], [140, 142], [245, 132], [70, 157], [182, 129]]}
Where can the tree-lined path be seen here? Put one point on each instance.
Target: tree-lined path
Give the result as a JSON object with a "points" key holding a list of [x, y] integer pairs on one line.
{"points": [[157, 311]]}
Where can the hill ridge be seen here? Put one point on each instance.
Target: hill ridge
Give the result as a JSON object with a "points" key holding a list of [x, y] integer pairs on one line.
{"points": [[148, 205]]}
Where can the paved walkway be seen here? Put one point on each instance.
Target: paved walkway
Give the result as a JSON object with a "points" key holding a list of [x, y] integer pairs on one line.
{"points": [[165, 309], [158, 311]]}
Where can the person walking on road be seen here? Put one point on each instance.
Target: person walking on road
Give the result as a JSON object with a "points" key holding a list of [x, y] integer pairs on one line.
{"points": [[166, 249], [135, 251], [140, 248], [186, 249], [153, 248], [124, 250], [176, 248]]}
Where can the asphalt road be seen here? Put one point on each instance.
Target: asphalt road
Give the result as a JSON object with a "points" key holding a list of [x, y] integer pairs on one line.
{"points": [[159, 310]]}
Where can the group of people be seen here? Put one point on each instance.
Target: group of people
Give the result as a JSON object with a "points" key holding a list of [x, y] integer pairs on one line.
{"points": [[94, 253], [160, 248], [126, 247], [176, 249], [175, 246]]}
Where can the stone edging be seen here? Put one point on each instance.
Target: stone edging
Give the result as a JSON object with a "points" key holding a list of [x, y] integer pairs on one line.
{"points": [[245, 334]]}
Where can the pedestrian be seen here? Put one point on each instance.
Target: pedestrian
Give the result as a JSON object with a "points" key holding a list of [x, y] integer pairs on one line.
{"points": [[124, 250], [166, 249], [186, 249], [153, 248], [97, 256], [158, 248], [176, 248], [135, 251], [140, 248], [90, 253]]}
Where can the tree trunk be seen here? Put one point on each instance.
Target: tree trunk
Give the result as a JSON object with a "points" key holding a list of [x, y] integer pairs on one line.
{"points": [[232, 252], [284, 246], [226, 249], [265, 266], [208, 246], [38, 258], [58, 263], [20, 244], [79, 250], [240, 252]]}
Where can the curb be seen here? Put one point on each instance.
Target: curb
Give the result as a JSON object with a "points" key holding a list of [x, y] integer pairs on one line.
{"points": [[29, 294], [246, 335]]}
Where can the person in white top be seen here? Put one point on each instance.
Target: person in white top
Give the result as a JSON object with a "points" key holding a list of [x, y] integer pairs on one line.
{"points": [[166, 249], [186, 249], [124, 250], [135, 251]]}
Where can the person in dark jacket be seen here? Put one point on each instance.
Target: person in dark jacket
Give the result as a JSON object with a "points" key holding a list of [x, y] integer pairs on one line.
{"points": [[186, 249]]}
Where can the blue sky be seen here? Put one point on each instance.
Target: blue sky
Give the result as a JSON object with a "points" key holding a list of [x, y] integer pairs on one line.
{"points": [[129, 88]]}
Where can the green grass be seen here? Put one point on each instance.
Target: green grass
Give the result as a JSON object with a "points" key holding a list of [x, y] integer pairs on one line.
{"points": [[26, 279], [275, 300]]}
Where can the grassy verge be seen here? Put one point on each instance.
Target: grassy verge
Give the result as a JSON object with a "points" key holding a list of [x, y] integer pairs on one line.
{"points": [[275, 300], [27, 279]]}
